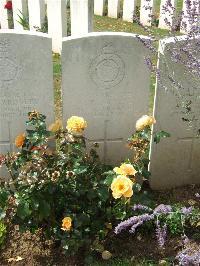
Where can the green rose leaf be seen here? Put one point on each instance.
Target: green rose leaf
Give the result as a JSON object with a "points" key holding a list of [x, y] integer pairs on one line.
{"points": [[159, 135], [23, 210]]}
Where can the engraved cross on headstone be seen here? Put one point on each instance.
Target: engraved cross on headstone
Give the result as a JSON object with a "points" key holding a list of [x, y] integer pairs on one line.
{"points": [[191, 140]]}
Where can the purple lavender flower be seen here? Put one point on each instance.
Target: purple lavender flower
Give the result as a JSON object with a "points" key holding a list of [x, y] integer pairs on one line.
{"points": [[162, 209], [133, 222], [125, 224], [141, 207], [187, 257], [197, 195], [185, 240], [161, 234], [186, 210], [135, 226]]}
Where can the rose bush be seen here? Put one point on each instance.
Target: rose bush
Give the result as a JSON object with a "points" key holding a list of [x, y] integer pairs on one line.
{"points": [[61, 186]]}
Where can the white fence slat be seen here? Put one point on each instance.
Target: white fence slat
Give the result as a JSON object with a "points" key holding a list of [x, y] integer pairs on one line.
{"points": [[36, 13], [113, 8], [99, 7], [191, 15], [3, 15], [57, 23], [167, 14], [81, 16], [129, 9], [147, 12], [19, 9]]}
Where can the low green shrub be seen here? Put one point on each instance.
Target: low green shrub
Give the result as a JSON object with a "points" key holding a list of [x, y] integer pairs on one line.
{"points": [[2, 232], [59, 184]]}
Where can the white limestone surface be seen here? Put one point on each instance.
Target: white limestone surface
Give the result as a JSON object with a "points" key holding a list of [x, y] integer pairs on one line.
{"points": [[26, 82], [105, 80], [175, 161]]}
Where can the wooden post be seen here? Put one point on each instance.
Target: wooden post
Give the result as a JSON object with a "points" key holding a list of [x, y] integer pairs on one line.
{"points": [[3, 15], [36, 10], [19, 9], [113, 8], [129, 8], [99, 7], [57, 23], [147, 12], [81, 16]]}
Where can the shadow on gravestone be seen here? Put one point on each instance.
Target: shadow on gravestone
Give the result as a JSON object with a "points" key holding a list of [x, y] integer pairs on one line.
{"points": [[105, 80], [26, 82], [175, 161]]}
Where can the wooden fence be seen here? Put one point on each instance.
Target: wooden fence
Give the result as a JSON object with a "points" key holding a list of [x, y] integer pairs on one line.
{"points": [[75, 17], [165, 14], [59, 19]]}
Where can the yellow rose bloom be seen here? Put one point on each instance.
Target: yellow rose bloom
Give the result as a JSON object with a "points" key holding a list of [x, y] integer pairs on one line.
{"points": [[56, 126], [122, 186], [66, 224], [125, 169], [19, 141], [76, 124], [145, 121]]}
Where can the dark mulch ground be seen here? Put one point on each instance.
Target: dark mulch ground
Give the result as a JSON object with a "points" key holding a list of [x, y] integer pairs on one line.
{"points": [[36, 251]]}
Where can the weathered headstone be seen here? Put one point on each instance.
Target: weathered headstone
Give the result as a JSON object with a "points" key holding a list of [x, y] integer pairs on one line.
{"points": [[25, 82], [175, 161], [105, 80]]}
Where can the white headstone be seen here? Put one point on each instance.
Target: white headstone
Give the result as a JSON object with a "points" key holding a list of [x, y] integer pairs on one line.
{"points": [[167, 14], [26, 82], [146, 12], [36, 9], [82, 12], [106, 81], [19, 10], [57, 23], [3, 15], [113, 8], [175, 160], [99, 7], [191, 15], [129, 9]]}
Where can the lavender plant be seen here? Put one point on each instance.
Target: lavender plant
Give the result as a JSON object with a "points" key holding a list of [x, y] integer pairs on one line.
{"points": [[184, 53], [189, 255], [163, 218]]}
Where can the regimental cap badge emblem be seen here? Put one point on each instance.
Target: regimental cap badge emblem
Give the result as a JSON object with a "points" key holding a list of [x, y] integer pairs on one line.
{"points": [[108, 69]]}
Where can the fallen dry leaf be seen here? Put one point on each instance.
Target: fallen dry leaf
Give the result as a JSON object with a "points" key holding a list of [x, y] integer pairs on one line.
{"points": [[15, 259], [19, 258]]}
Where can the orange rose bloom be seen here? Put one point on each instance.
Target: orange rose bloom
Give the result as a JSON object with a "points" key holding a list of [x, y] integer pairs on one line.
{"points": [[66, 224], [19, 141]]}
